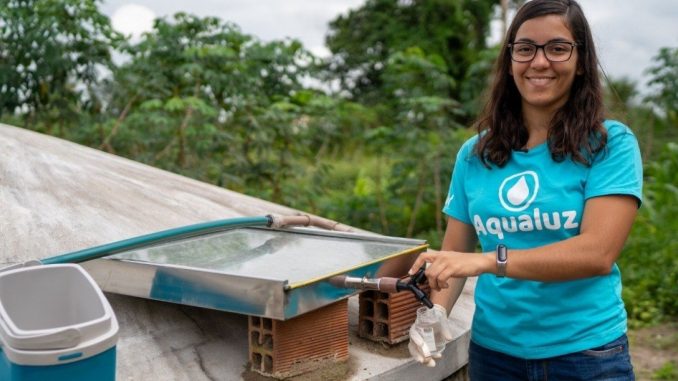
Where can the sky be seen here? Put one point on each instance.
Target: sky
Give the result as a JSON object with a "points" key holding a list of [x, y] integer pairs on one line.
{"points": [[627, 33]]}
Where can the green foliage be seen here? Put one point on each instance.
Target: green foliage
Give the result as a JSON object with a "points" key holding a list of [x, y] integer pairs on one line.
{"points": [[665, 80], [649, 263], [407, 61], [478, 77], [199, 97], [363, 40], [51, 54], [668, 371]]}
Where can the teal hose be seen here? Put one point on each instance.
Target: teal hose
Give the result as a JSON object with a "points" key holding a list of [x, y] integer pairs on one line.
{"points": [[157, 238]]}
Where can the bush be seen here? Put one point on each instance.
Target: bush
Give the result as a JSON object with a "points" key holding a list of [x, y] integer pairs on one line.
{"points": [[649, 261]]}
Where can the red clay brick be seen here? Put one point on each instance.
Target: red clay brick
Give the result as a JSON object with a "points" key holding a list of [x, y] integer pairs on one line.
{"points": [[387, 317], [305, 343]]}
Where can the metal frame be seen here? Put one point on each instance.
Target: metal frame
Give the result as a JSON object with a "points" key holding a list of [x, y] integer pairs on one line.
{"points": [[249, 295]]}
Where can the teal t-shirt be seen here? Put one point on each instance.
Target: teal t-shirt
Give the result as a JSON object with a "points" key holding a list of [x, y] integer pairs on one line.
{"points": [[533, 201]]}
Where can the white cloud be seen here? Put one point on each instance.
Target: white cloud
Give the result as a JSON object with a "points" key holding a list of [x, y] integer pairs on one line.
{"points": [[133, 20], [628, 33]]}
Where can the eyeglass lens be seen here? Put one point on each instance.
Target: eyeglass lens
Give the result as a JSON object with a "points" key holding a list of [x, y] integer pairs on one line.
{"points": [[554, 51]]}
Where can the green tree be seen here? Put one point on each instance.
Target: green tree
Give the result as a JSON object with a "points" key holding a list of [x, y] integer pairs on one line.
{"points": [[664, 82], [664, 93], [363, 40], [424, 127], [166, 94], [51, 55], [421, 66], [199, 97]]}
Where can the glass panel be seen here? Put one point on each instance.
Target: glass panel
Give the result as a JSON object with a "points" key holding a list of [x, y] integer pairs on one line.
{"points": [[267, 254]]}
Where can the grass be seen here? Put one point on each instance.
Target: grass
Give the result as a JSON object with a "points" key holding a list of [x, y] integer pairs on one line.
{"points": [[654, 352]]}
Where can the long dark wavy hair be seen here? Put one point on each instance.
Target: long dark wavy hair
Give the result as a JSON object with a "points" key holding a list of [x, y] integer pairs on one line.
{"points": [[576, 130]]}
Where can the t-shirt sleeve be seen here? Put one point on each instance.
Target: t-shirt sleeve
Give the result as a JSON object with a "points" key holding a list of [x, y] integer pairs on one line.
{"points": [[618, 169], [456, 205]]}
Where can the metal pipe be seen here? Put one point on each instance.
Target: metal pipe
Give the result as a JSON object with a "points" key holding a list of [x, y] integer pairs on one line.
{"points": [[384, 284]]}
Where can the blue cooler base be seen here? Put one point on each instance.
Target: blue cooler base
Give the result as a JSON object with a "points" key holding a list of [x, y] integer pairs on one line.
{"points": [[96, 368]]}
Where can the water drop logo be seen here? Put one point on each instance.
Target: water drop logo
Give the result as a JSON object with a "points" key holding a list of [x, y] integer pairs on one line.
{"points": [[517, 192]]}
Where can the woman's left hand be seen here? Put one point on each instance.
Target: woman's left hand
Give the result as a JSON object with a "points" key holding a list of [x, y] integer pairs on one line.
{"points": [[452, 264]]}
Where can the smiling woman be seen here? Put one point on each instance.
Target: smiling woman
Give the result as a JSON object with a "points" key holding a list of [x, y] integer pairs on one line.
{"points": [[133, 20], [536, 187]]}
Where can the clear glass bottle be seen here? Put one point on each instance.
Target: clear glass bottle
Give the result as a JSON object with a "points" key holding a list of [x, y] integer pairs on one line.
{"points": [[429, 327]]}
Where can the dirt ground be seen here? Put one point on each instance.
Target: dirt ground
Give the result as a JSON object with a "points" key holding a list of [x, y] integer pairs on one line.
{"points": [[654, 352]]}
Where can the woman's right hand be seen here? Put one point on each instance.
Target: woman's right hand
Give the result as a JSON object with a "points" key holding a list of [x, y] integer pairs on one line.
{"points": [[443, 265]]}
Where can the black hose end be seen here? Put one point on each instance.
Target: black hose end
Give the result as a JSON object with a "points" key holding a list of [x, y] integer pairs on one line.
{"points": [[269, 217], [420, 276], [400, 286], [427, 302]]}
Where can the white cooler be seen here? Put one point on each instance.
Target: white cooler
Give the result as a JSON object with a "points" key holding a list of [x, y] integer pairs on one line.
{"points": [[55, 324]]}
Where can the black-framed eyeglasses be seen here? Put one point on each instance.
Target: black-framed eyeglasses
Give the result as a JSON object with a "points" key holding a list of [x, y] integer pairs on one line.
{"points": [[554, 51]]}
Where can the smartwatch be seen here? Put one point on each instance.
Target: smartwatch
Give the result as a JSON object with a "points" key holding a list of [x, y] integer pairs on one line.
{"points": [[502, 258]]}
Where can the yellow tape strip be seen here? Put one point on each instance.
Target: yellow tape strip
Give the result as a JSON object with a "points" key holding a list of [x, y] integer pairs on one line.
{"points": [[417, 249]]}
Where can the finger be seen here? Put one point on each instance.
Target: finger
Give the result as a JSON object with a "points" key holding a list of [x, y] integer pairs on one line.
{"points": [[432, 274], [446, 328], [421, 259], [419, 353], [416, 337], [433, 284], [418, 341], [443, 319], [444, 277], [445, 274], [414, 352], [417, 356]]}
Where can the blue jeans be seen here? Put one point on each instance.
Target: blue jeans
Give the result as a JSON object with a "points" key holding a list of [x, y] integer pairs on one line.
{"points": [[610, 362]]}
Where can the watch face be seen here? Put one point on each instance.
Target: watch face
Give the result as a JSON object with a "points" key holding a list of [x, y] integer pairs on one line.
{"points": [[501, 253]]}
